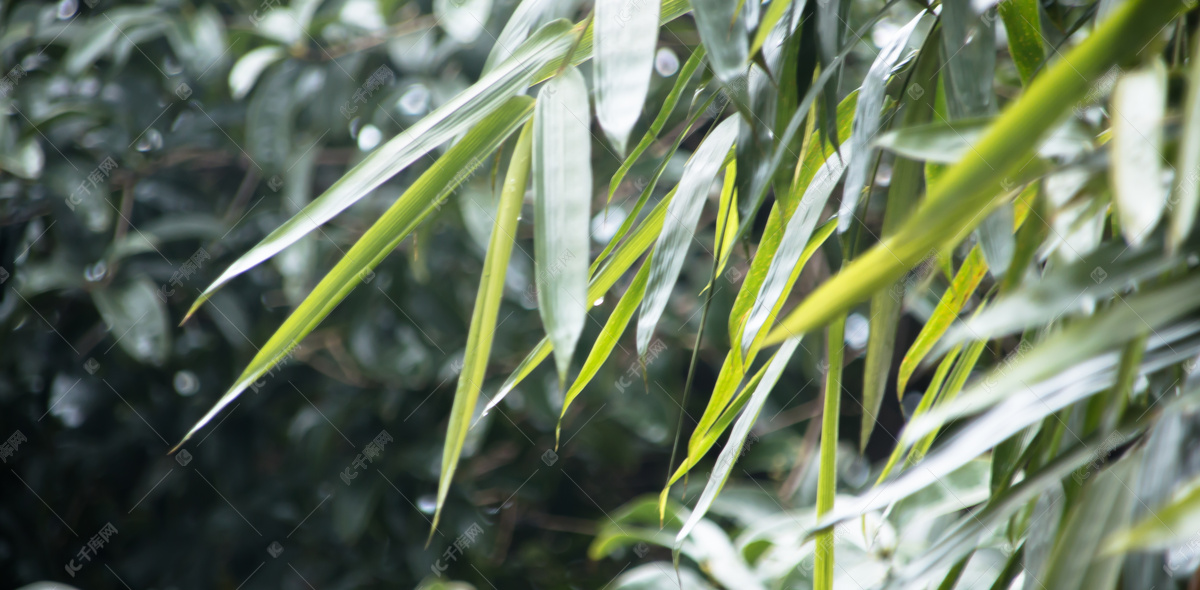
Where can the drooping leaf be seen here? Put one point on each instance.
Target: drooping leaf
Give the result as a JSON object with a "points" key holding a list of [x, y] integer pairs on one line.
{"points": [[723, 33], [603, 280], [136, 319], [421, 198], [680, 224], [869, 112], [483, 317], [562, 192], [737, 438], [727, 218], [960, 290], [782, 272], [969, 46], [904, 191], [466, 109], [626, 35], [681, 81], [607, 340], [1139, 104]]}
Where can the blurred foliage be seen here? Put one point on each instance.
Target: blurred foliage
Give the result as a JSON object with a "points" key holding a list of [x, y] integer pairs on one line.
{"points": [[147, 146]]}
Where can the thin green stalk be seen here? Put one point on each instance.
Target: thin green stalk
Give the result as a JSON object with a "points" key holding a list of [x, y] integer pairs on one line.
{"points": [[827, 477]]}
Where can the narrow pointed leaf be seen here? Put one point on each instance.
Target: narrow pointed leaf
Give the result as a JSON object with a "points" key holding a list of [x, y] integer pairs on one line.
{"points": [[960, 290], [783, 272], [626, 35], [1169, 524], [607, 340], [483, 318], [680, 225], [1186, 197], [737, 438], [723, 33], [392, 227], [449, 120], [681, 81], [827, 474], [869, 112], [562, 192]]}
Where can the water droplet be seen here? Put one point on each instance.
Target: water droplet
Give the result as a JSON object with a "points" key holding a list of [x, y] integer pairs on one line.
{"points": [[67, 8], [355, 125], [369, 137], [427, 504], [186, 383], [95, 272], [143, 345], [415, 101], [598, 302], [666, 63], [150, 140]]}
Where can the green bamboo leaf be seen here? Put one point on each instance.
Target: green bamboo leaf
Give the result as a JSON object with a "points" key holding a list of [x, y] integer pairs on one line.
{"points": [[681, 81], [526, 17], [682, 216], [927, 399], [1076, 562], [827, 473], [1187, 176], [942, 141], [733, 447], [903, 194], [723, 32], [622, 259], [869, 112], [135, 312], [775, 11], [609, 335], [448, 121], [626, 36], [421, 198], [966, 192], [483, 317], [954, 385], [960, 290], [562, 191], [727, 218], [969, 44], [785, 266], [1139, 104], [723, 404], [813, 154], [1023, 27]]}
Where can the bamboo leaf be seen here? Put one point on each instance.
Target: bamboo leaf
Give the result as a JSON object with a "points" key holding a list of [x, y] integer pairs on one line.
{"points": [[463, 20], [966, 192], [462, 112], [609, 335], [727, 218], [247, 69], [680, 224], [723, 33], [1187, 176], [1174, 521], [960, 290], [483, 318], [681, 81], [783, 270], [1023, 27], [622, 259], [421, 198], [737, 439], [562, 191], [1138, 103], [626, 35], [869, 112], [775, 11]]}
